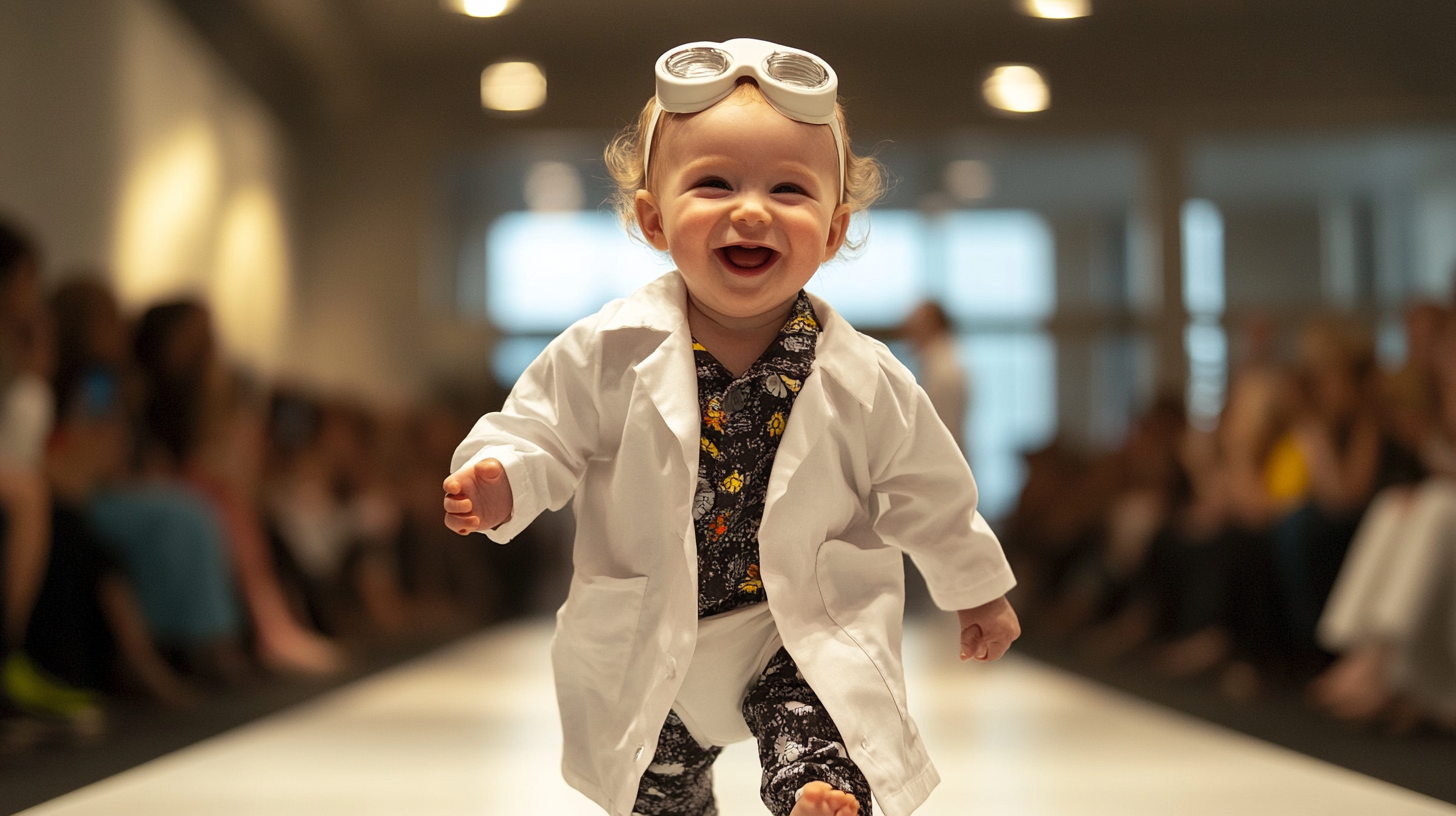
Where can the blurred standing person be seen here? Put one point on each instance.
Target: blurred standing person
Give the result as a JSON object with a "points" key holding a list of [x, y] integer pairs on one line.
{"points": [[942, 376], [944, 379]]}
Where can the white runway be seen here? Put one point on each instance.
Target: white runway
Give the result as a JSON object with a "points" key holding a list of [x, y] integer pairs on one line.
{"points": [[473, 730]]}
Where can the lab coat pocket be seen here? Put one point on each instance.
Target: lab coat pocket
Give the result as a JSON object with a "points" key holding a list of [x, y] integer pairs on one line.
{"points": [[595, 635]]}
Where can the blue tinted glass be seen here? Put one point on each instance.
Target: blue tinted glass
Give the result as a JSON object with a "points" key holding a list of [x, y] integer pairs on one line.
{"points": [[511, 356], [1202, 257], [877, 286], [998, 265], [1207, 347], [1013, 410], [546, 270]]}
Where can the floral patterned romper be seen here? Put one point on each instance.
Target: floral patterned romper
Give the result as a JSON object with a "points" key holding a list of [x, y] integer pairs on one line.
{"points": [[743, 420]]}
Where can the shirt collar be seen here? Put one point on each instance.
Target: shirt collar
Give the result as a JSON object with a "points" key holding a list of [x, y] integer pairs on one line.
{"points": [[843, 353]]}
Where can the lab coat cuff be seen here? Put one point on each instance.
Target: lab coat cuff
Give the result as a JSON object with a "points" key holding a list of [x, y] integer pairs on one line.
{"points": [[954, 599], [525, 500]]}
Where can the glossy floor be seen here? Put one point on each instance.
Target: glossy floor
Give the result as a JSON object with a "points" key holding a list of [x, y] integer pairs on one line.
{"points": [[473, 730]]}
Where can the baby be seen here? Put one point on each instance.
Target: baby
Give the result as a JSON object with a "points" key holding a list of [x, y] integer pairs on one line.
{"points": [[746, 470]]}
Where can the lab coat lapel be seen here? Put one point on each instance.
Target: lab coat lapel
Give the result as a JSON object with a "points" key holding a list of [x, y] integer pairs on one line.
{"points": [[841, 355], [808, 423], [667, 375], [669, 379]]}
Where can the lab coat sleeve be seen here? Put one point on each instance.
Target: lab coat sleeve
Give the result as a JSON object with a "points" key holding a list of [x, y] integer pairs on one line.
{"points": [[926, 501], [546, 431]]}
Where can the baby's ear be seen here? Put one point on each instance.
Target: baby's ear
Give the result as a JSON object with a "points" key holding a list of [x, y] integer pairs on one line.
{"points": [[649, 220], [838, 231]]}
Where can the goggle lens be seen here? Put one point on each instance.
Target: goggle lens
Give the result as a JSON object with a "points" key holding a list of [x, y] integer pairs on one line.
{"points": [[695, 63], [796, 69]]}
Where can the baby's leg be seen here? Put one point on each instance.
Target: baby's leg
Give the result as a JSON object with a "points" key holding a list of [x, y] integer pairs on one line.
{"points": [[679, 782], [806, 769]]}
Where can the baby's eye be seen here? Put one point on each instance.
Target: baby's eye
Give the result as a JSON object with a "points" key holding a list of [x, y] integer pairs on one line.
{"points": [[788, 188], [714, 183]]}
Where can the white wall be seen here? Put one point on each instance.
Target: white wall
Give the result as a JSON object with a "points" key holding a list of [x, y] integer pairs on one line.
{"points": [[127, 146]]}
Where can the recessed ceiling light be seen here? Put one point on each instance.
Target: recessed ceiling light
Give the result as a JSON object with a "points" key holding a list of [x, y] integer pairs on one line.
{"points": [[480, 8], [1017, 89], [512, 86], [1056, 9]]}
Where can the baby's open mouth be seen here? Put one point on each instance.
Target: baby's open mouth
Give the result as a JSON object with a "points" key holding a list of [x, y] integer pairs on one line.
{"points": [[746, 257]]}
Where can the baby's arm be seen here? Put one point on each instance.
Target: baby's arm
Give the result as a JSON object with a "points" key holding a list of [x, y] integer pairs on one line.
{"points": [[478, 497], [927, 507], [988, 630], [528, 456]]}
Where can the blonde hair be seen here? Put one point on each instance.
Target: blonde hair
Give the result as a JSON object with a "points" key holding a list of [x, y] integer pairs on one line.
{"points": [[864, 176]]}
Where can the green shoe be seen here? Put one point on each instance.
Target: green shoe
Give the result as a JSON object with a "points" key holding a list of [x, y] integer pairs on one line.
{"points": [[34, 692]]}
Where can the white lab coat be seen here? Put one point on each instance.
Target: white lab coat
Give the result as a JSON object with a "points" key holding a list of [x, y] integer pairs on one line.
{"points": [[609, 414]]}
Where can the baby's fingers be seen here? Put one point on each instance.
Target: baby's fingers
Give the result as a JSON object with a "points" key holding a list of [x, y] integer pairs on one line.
{"points": [[462, 524], [970, 641], [993, 649], [457, 506]]}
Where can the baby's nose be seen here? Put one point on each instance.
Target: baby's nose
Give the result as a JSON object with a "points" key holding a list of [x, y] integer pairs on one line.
{"points": [[751, 211]]}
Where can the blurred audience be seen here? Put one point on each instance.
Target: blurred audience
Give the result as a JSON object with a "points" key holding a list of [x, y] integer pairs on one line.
{"points": [[1308, 537], [1392, 615], [336, 515], [170, 526], [199, 430], [169, 523]]}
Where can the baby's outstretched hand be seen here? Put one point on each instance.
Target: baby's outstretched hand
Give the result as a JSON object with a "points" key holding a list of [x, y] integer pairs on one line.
{"points": [[988, 630], [478, 497]]}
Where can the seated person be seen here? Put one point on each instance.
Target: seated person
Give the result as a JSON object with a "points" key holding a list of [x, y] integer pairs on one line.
{"points": [[84, 614]]}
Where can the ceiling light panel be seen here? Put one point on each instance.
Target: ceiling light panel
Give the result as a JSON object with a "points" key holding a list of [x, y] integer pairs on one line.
{"points": [[1016, 89], [512, 86], [1055, 9], [479, 8]]}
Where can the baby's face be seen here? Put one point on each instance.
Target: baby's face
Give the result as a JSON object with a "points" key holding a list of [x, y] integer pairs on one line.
{"points": [[747, 202]]}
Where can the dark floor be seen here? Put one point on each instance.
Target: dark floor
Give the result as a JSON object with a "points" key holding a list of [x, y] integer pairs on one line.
{"points": [[140, 731], [1423, 762]]}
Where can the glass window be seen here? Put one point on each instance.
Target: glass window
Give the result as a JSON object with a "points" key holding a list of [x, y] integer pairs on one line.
{"points": [[1013, 409], [877, 286], [546, 270], [992, 269], [1202, 257], [998, 265], [511, 356], [1203, 296]]}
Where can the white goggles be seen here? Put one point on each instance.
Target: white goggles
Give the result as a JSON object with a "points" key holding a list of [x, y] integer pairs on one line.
{"points": [[697, 76]]}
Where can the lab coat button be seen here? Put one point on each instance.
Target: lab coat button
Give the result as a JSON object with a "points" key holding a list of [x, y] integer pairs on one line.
{"points": [[865, 744], [637, 755], [671, 668]]}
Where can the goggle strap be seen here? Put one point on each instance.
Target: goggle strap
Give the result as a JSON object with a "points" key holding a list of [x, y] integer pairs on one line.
{"points": [[657, 112], [651, 131]]}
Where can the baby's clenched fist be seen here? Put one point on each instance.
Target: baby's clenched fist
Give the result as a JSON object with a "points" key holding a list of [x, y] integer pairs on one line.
{"points": [[478, 497], [988, 630]]}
